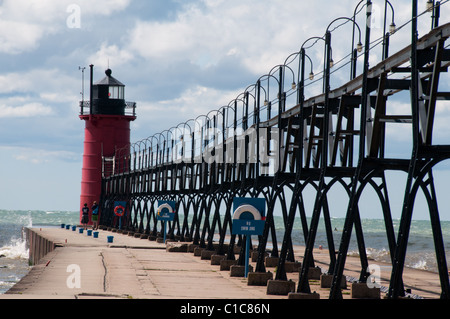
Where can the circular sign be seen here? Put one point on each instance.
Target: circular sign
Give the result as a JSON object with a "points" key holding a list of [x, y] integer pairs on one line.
{"points": [[119, 211]]}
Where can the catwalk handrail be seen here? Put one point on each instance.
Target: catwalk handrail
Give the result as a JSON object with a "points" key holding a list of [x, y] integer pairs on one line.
{"points": [[164, 148]]}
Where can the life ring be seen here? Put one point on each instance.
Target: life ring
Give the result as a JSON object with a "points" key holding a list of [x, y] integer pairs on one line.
{"points": [[119, 211], [165, 205], [247, 209]]}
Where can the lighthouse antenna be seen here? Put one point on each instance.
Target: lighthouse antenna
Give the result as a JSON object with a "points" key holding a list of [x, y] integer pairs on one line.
{"points": [[91, 86], [82, 82]]}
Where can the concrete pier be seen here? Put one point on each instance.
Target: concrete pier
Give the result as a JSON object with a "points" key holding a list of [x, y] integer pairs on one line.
{"points": [[73, 265], [38, 246]]}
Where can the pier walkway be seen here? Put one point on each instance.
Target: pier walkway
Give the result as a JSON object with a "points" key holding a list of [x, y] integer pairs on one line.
{"points": [[134, 268]]}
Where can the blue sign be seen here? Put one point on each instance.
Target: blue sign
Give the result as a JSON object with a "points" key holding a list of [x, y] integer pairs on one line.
{"points": [[119, 211], [166, 210], [119, 208], [248, 227], [249, 216], [248, 219], [165, 213]]}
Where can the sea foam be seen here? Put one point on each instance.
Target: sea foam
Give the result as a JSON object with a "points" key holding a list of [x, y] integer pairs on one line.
{"points": [[15, 249]]}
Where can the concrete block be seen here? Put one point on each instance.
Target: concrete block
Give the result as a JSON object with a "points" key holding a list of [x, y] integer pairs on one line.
{"points": [[226, 264], [280, 287], [239, 271], [314, 273], [303, 295], [361, 290], [326, 281], [191, 248], [272, 261], [216, 259], [198, 251], [254, 255], [206, 254], [292, 266], [259, 278]]}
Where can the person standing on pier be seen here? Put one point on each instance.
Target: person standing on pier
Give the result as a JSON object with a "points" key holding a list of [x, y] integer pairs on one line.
{"points": [[85, 216], [95, 215]]}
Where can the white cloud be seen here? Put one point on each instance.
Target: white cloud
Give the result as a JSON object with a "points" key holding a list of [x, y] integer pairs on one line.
{"points": [[17, 37], [259, 32], [157, 39], [110, 54], [24, 23], [27, 110], [39, 156], [37, 92], [193, 102], [38, 81], [101, 7], [49, 11]]}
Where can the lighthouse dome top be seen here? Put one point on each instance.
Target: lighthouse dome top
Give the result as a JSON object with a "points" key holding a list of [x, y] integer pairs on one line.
{"points": [[108, 98], [109, 80]]}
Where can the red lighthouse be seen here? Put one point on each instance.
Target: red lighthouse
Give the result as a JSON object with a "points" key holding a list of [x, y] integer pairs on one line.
{"points": [[107, 128]]}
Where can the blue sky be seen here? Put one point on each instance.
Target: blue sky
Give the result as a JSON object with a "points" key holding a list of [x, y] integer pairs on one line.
{"points": [[178, 59]]}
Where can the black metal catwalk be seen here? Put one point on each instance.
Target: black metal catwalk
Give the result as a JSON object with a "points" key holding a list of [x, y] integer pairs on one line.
{"points": [[273, 142]]}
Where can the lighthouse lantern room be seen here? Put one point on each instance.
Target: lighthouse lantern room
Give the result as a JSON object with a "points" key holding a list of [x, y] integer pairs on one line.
{"points": [[107, 119]]}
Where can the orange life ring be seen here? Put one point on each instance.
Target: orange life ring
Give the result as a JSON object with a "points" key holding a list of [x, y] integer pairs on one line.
{"points": [[119, 211]]}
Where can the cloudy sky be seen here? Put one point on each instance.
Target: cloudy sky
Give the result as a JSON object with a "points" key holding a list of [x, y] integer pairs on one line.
{"points": [[178, 58]]}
